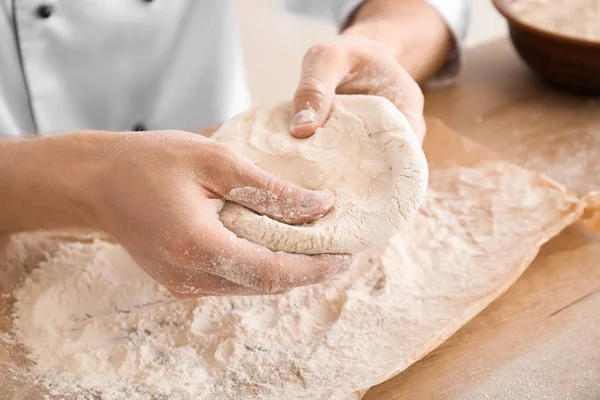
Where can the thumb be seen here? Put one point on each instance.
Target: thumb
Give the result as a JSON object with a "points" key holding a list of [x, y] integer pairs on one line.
{"points": [[322, 70], [238, 179]]}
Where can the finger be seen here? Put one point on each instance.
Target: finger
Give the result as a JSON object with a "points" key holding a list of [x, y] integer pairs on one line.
{"points": [[323, 67], [219, 252], [248, 292], [254, 266], [184, 284], [199, 244], [396, 85], [237, 179]]}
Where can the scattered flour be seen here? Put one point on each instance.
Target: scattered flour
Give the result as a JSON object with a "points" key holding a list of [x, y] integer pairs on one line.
{"points": [[94, 323]]}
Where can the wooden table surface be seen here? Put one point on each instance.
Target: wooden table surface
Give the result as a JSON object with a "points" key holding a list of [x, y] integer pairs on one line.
{"points": [[541, 339]]}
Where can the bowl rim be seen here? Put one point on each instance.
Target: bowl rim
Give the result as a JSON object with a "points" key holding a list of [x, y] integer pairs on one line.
{"points": [[504, 9]]}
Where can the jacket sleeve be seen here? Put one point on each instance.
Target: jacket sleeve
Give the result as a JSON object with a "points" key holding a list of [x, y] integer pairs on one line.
{"points": [[457, 14], [336, 11]]}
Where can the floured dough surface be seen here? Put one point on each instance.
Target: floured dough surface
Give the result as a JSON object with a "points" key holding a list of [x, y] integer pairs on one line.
{"points": [[95, 323], [366, 154]]}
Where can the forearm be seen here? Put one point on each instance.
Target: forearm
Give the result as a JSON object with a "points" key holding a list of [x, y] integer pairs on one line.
{"points": [[42, 182], [412, 29]]}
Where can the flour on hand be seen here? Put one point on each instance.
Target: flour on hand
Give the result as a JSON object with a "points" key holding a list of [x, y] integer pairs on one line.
{"points": [[366, 154]]}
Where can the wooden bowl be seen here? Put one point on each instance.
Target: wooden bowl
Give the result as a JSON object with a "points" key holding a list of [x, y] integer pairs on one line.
{"points": [[568, 62]]}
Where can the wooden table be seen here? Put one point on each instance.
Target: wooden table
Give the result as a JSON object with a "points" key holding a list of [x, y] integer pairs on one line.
{"points": [[541, 339]]}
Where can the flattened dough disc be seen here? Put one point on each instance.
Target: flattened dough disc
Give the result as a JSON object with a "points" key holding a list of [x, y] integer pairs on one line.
{"points": [[366, 154]]}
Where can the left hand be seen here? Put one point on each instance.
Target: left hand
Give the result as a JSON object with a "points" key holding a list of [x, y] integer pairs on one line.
{"points": [[352, 64]]}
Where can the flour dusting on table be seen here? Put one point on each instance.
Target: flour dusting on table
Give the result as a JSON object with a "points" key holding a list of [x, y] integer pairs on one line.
{"points": [[94, 323]]}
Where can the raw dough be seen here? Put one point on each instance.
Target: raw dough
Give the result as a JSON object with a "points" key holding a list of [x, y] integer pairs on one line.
{"points": [[366, 154]]}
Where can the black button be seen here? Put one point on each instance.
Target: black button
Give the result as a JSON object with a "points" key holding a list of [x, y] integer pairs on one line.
{"points": [[139, 127], [44, 11]]}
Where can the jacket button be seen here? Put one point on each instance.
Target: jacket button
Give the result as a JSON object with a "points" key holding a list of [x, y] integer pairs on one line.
{"points": [[139, 128], [44, 11]]}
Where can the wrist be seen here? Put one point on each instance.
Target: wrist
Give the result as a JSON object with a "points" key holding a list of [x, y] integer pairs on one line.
{"points": [[381, 21], [412, 29], [379, 33]]}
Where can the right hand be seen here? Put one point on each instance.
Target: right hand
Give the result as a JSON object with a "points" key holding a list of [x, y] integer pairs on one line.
{"points": [[353, 64], [159, 195]]}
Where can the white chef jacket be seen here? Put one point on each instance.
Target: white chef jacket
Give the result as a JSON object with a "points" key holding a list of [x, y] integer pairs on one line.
{"points": [[70, 65]]}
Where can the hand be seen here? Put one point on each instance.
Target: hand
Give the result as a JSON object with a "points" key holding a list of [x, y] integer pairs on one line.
{"points": [[159, 194], [352, 64]]}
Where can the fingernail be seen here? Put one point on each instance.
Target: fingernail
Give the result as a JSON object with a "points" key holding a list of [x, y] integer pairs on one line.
{"points": [[343, 263], [346, 264], [317, 201], [308, 116]]}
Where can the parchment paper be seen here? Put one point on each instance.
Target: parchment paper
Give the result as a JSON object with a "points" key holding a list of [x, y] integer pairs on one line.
{"points": [[481, 226]]}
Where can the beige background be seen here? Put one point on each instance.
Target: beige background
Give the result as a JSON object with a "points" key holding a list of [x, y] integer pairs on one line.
{"points": [[275, 41]]}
